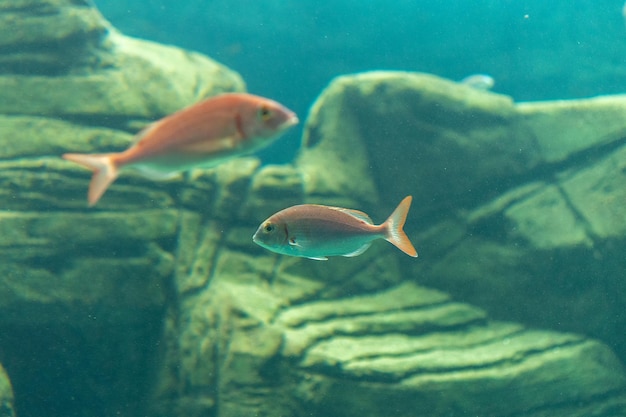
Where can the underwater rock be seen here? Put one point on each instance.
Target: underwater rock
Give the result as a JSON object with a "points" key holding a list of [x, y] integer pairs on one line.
{"points": [[278, 348], [43, 36], [84, 292], [71, 82], [6, 395], [518, 208], [157, 302], [61, 58], [557, 235], [254, 333], [392, 134], [411, 351], [113, 251]]}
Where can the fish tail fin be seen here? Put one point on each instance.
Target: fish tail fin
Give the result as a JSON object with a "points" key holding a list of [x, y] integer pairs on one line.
{"points": [[393, 227], [104, 173]]}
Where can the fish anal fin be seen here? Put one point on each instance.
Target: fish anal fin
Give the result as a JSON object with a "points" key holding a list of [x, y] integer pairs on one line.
{"points": [[155, 174], [358, 251], [318, 258]]}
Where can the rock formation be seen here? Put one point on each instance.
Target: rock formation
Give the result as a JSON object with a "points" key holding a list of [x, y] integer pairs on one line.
{"points": [[83, 294], [517, 207]]}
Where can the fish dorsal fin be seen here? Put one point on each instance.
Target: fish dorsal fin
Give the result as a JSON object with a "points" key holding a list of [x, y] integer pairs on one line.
{"points": [[358, 251], [355, 213]]}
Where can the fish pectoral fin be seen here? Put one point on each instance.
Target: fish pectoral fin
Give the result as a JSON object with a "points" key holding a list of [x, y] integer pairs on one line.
{"points": [[155, 174], [226, 143], [318, 258], [358, 251], [293, 242]]}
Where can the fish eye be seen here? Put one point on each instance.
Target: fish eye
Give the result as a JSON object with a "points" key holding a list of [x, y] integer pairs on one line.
{"points": [[268, 227], [265, 113]]}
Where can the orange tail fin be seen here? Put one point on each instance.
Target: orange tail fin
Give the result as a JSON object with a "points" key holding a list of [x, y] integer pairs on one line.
{"points": [[104, 173], [393, 228]]}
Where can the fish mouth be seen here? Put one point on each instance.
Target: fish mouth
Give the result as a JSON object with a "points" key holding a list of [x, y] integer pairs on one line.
{"points": [[259, 241], [292, 120]]}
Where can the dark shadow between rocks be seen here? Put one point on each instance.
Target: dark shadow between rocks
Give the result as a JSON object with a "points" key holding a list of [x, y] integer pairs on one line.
{"points": [[97, 370]]}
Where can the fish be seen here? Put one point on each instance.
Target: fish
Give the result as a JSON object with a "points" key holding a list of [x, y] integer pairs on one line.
{"points": [[479, 81], [316, 232], [202, 135]]}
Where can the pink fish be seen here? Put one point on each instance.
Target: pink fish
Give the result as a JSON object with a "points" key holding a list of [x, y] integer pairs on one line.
{"points": [[202, 135], [316, 232]]}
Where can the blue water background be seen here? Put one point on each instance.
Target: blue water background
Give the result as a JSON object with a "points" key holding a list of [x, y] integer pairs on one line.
{"points": [[290, 50]]}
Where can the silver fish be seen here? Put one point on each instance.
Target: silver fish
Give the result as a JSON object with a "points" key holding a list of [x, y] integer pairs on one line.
{"points": [[316, 232]]}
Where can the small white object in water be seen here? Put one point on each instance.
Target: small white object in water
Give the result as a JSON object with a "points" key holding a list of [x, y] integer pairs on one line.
{"points": [[479, 81]]}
